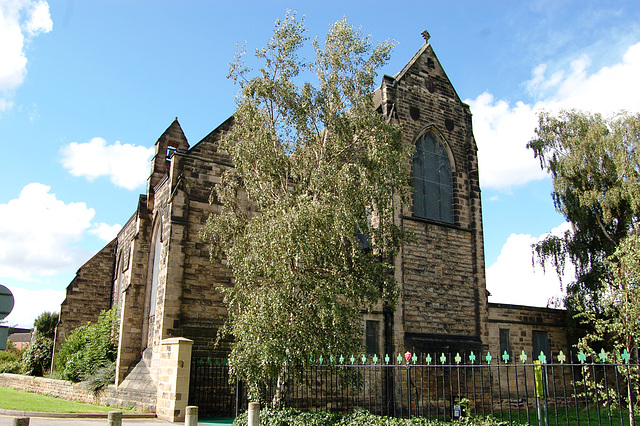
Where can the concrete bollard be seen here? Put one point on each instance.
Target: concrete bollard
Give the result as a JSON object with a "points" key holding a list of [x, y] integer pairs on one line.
{"points": [[115, 418], [21, 421], [253, 419], [191, 419]]}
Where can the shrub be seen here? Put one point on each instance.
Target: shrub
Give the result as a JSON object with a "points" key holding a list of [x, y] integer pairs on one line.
{"points": [[90, 351], [291, 417], [101, 378], [36, 359], [10, 362]]}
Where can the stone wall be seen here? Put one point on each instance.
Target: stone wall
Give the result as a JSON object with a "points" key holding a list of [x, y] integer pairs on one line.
{"points": [[88, 294], [522, 321], [133, 255], [438, 281]]}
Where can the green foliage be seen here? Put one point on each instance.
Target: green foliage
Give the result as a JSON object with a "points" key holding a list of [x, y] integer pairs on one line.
{"points": [[324, 172], [10, 362], [90, 349], [101, 378], [45, 324], [596, 177], [291, 417], [36, 360], [595, 166]]}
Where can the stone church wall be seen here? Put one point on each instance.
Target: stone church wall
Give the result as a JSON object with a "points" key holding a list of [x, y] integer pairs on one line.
{"points": [[444, 302], [202, 310], [88, 294], [522, 321]]}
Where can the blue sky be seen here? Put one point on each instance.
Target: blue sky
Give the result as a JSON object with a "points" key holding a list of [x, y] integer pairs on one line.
{"points": [[86, 88]]}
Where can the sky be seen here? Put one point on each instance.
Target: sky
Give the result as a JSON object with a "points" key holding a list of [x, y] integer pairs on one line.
{"points": [[87, 87]]}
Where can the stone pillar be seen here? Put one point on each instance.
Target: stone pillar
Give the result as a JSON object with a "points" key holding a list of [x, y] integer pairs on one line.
{"points": [[173, 379]]}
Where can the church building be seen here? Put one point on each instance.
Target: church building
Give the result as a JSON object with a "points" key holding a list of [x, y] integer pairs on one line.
{"points": [[158, 274]]}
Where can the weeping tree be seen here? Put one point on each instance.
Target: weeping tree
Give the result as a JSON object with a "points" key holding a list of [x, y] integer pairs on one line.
{"points": [[324, 174], [595, 166]]}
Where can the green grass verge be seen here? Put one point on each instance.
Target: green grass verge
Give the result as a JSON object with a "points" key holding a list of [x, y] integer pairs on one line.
{"points": [[568, 416], [11, 399]]}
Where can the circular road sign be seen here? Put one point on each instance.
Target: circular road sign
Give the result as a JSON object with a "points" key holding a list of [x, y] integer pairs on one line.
{"points": [[6, 302]]}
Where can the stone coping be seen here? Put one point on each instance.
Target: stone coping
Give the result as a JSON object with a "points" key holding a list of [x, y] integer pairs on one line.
{"points": [[20, 413]]}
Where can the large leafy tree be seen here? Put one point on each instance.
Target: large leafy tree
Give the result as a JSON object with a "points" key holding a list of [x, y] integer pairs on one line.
{"points": [[595, 168], [45, 324], [595, 165], [324, 173]]}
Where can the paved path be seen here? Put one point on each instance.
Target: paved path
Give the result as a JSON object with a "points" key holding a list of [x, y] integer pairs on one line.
{"points": [[46, 421], [7, 420]]}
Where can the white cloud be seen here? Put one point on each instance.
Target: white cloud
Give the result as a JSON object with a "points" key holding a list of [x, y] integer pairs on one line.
{"points": [[502, 130], [31, 303], [502, 133], [513, 279], [105, 232], [39, 19], [20, 21], [37, 233], [126, 165]]}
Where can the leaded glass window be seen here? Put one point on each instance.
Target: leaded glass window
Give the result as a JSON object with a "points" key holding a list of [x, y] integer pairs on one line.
{"points": [[432, 180]]}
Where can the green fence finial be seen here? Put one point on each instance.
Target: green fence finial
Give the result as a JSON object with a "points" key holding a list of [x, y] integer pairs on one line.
{"points": [[561, 357], [523, 357], [582, 357], [603, 356]]}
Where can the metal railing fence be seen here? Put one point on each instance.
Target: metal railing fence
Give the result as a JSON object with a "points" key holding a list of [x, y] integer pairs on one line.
{"points": [[559, 390]]}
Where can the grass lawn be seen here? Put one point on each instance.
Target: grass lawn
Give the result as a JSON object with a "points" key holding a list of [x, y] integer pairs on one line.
{"points": [[595, 416], [11, 399]]}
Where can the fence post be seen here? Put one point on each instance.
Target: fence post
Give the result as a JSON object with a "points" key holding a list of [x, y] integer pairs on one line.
{"points": [[191, 418], [114, 418], [537, 370], [253, 419]]}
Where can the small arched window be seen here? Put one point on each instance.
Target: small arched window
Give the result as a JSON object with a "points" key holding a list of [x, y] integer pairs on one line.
{"points": [[432, 181]]}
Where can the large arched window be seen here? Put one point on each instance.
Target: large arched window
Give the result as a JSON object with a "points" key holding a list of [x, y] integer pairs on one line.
{"points": [[432, 180]]}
